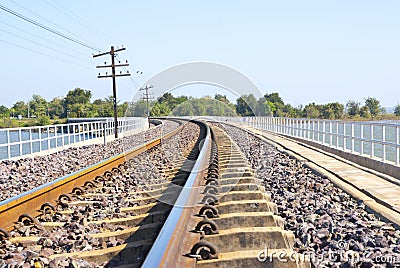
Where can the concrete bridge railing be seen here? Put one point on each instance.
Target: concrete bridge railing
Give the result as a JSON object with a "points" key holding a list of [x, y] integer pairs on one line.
{"points": [[30, 141], [376, 140]]}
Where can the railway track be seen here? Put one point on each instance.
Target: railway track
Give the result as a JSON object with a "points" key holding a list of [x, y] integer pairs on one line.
{"points": [[192, 198], [228, 221], [94, 199], [207, 210], [196, 197]]}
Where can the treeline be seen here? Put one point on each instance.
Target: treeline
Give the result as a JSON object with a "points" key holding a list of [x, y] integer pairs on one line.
{"points": [[39, 111], [273, 105], [77, 103], [168, 105], [247, 105]]}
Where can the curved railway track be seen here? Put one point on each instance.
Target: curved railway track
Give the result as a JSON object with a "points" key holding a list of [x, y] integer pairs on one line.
{"points": [[188, 199], [209, 211]]}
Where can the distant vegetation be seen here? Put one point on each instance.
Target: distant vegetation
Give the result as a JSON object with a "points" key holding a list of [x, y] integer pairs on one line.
{"points": [[269, 105], [77, 103], [39, 111]]}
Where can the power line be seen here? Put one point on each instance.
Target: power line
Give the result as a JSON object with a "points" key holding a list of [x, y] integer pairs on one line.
{"points": [[47, 28], [39, 44], [39, 37], [62, 9], [127, 71], [45, 19], [44, 54]]}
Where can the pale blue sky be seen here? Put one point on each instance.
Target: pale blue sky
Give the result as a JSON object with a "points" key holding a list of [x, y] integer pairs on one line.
{"points": [[307, 51]]}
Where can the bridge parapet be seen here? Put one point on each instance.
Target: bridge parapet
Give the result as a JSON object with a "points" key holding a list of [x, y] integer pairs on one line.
{"points": [[375, 145], [30, 141]]}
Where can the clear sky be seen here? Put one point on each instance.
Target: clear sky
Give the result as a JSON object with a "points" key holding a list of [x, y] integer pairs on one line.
{"points": [[308, 51]]}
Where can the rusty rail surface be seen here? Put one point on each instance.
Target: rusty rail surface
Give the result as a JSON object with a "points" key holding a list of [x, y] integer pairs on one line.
{"points": [[30, 202]]}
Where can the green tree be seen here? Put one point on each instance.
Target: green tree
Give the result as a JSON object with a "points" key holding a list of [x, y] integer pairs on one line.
{"points": [[364, 112], [373, 106], [38, 105], [222, 98], [160, 109], [4, 110], [263, 109], [311, 110], [289, 111], [108, 107], [122, 109], [171, 101], [155, 110], [298, 111], [78, 95], [218, 108], [56, 109], [199, 106], [43, 120], [397, 110], [180, 99], [20, 108], [338, 109], [327, 112], [241, 106], [138, 109], [167, 98], [353, 108], [274, 98], [272, 107], [183, 109], [246, 105], [214, 110], [103, 108], [278, 103], [333, 110], [77, 102], [219, 105]]}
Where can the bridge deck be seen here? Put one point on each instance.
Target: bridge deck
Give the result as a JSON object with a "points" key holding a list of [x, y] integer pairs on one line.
{"points": [[379, 192]]}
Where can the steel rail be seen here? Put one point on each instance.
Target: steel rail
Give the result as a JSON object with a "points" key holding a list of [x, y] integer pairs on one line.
{"points": [[169, 248], [31, 201]]}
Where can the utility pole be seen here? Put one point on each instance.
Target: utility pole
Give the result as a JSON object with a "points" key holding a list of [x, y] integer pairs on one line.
{"points": [[113, 75], [147, 97]]}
